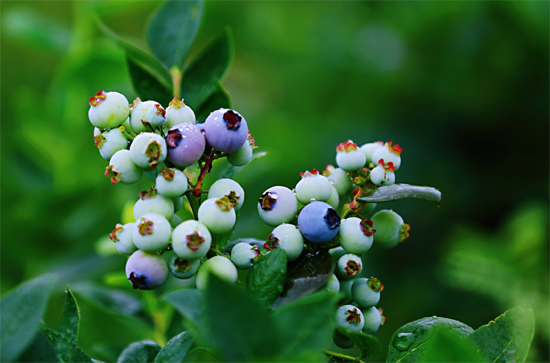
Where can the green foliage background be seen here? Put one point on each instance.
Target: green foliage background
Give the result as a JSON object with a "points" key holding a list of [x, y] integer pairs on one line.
{"points": [[461, 86]]}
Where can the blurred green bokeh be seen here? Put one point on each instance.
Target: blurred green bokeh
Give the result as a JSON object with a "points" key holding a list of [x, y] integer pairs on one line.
{"points": [[461, 86]]}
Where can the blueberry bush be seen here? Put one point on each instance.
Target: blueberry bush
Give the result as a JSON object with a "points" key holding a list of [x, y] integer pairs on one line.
{"points": [[285, 298]]}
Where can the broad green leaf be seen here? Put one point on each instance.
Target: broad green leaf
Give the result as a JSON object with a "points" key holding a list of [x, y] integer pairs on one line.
{"points": [[267, 276], [141, 57], [39, 350], [65, 350], [306, 274], [239, 327], [139, 352], [146, 84], [212, 64], [251, 241], [176, 349], [187, 302], [408, 343], [70, 319], [508, 337], [448, 346], [401, 191], [219, 98], [313, 356], [20, 314], [109, 299], [172, 30], [368, 345], [314, 331], [231, 170]]}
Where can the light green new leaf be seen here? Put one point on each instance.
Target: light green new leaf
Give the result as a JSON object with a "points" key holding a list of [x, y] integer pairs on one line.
{"points": [[267, 276], [172, 30], [176, 349], [199, 80], [143, 351], [70, 319], [20, 313], [449, 346], [508, 337]]}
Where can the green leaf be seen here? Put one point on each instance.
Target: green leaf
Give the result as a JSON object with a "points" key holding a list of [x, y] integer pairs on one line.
{"points": [[146, 84], [172, 30], [314, 331], [448, 346], [231, 170], [401, 191], [65, 350], [219, 98], [239, 327], [508, 337], [200, 79], [267, 276], [176, 349], [144, 65], [368, 345], [306, 274], [408, 343], [187, 302], [139, 352], [108, 299], [39, 350], [70, 319], [20, 314]]}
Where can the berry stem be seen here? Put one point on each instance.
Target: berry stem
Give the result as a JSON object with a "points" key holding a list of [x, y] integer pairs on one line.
{"points": [[127, 135], [330, 353], [205, 169], [176, 81], [194, 202]]}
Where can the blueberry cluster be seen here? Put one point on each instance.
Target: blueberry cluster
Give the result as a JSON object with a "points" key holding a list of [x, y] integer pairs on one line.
{"points": [[306, 218], [165, 144]]}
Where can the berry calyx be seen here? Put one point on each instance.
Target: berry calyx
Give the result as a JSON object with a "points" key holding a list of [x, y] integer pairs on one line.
{"points": [[272, 243], [387, 166], [136, 102], [232, 119], [366, 227], [99, 140], [194, 241], [382, 316], [329, 169], [145, 227], [177, 103], [308, 173], [251, 141], [173, 137], [347, 147], [181, 265], [395, 149], [352, 268], [233, 198], [160, 110], [111, 173], [332, 218], [113, 235], [144, 195], [168, 174], [153, 153], [353, 316], [375, 284], [98, 98], [225, 204], [404, 232], [267, 200], [138, 281]]}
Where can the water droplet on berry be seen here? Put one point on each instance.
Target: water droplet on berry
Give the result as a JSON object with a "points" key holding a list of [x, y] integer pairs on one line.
{"points": [[403, 341], [312, 200], [434, 317]]}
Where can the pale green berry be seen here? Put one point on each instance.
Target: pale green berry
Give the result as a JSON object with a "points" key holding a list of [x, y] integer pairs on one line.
{"points": [[390, 229], [155, 115], [178, 203], [366, 292], [243, 255], [122, 169], [108, 110], [341, 340], [109, 142], [128, 126], [355, 235], [191, 240], [349, 266], [181, 268], [122, 236], [139, 110], [337, 252], [339, 179], [171, 182], [287, 237], [332, 285], [230, 189], [382, 175], [178, 113], [153, 202], [243, 155], [349, 318], [220, 266], [334, 200], [348, 157], [373, 319], [175, 221], [345, 288], [388, 153], [151, 232], [370, 148], [217, 214], [148, 150], [313, 187]]}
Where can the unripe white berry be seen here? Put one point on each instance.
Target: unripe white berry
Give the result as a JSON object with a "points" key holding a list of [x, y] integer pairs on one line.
{"points": [[122, 169], [178, 113], [313, 187], [108, 110], [148, 149]]}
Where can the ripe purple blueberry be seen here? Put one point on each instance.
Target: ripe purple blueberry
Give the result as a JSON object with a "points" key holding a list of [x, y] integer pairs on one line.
{"points": [[146, 271], [186, 144], [319, 222], [226, 130]]}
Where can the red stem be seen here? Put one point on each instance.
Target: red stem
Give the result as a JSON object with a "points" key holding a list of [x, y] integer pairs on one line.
{"points": [[205, 169]]}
